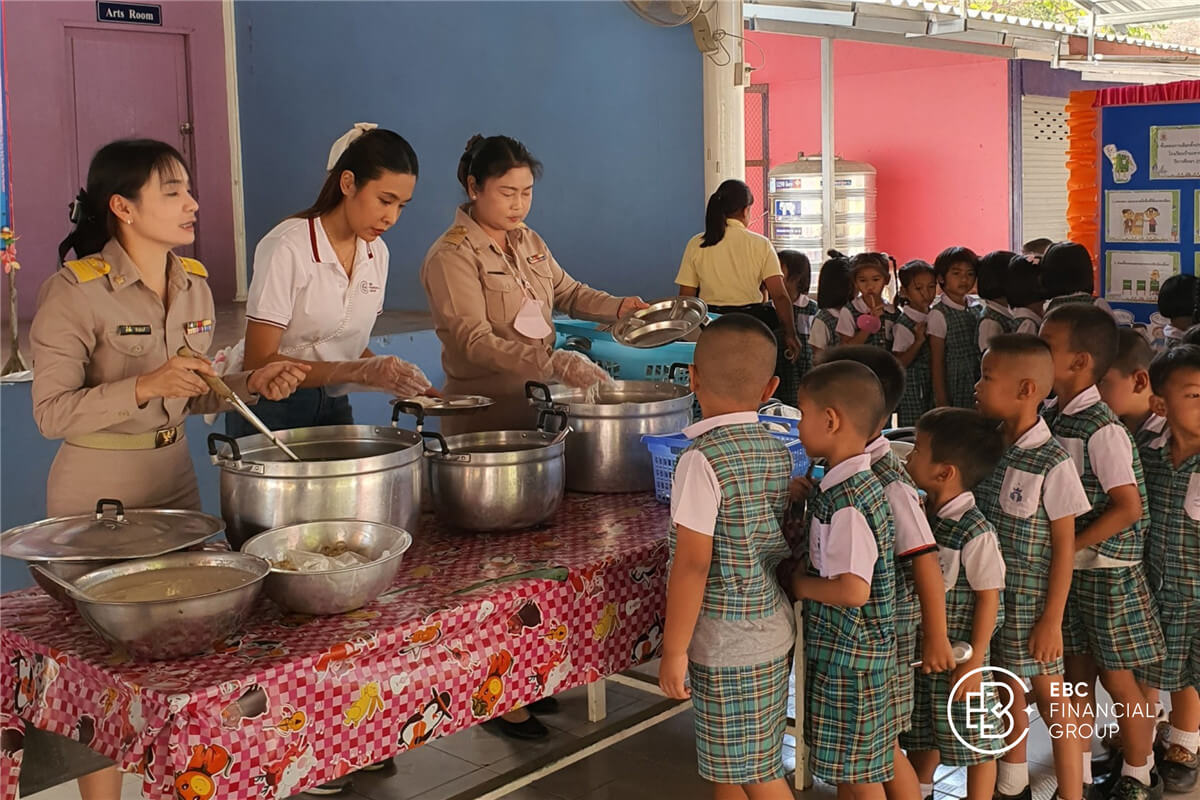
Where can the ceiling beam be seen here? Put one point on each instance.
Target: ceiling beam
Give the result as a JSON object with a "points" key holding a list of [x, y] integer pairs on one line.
{"points": [[1149, 15]]}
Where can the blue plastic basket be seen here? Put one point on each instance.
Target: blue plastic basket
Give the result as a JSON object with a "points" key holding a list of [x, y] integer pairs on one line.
{"points": [[622, 362], [665, 450]]}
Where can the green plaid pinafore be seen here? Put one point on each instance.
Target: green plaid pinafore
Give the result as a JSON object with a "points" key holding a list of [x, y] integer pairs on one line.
{"points": [[829, 318], [918, 381], [1067, 299], [790, 372], [962, 355]]}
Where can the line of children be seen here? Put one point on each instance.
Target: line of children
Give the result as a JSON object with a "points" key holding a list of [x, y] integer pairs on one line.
{"points": [[869, 318]]}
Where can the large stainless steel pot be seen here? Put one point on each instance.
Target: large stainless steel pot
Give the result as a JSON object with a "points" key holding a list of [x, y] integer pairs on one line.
{"points": [[605, 453], [497, 480], [346, 472]]}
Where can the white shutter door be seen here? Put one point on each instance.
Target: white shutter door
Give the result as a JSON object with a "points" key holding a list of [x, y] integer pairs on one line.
{"points": [[1043, 168]]}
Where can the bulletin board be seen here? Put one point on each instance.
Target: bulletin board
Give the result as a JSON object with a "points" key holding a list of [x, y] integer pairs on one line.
{"points": [[1135, 186]]}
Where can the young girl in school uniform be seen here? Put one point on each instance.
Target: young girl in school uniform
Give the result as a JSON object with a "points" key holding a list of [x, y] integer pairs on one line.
{"points": [[954, 330], [834, 290], [1068, 276], [868, 319], [910, 341], [797, 277]]}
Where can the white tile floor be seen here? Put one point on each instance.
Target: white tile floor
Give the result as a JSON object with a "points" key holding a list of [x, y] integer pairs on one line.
{"points": [[658, 764]]}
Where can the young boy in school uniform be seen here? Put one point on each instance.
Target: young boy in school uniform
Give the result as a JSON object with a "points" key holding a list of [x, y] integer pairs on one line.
{"points": [[729, 627], [1032, 499], [955, 450], [1125, 388], [920, 609], [1110, 624], [1173, 556], [848, 590]]}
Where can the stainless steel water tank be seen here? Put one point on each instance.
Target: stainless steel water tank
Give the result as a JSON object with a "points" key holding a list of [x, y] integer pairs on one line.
{"points": [[794, 206]]}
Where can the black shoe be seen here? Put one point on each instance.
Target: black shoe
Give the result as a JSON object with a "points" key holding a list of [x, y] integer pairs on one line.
{"points": [[1107, 766], [378, 766], [333, 787], [1179, 769], [1026, 794], [1128, 787], [529, 730], [547, 705]]}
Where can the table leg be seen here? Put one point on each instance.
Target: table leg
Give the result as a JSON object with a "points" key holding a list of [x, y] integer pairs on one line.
{"points": [[597, 701]]}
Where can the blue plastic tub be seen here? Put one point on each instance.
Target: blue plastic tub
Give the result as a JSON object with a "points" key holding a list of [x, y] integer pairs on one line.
{"points": [[622, 362]]}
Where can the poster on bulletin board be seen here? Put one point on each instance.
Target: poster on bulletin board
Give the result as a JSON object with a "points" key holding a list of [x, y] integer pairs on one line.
{"points": [[1135, 276], [1141, 216], [1174, 152]]}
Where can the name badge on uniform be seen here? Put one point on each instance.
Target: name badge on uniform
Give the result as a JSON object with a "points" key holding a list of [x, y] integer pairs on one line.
{"points": [[198, 326], [536, 259], [133, 330]]}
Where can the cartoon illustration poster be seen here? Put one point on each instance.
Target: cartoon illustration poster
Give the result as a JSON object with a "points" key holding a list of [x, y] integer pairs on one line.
{"points": [[1174, 152], [1141, 216], [1135, 276]]}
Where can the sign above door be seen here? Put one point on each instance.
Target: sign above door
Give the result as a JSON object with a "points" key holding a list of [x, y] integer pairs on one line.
{"points": [[129, 13]]}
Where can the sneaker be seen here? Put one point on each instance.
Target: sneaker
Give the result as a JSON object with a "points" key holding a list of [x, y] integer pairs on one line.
{"points": [[1127, 787], [378, 765], [1026, 794], [1179, 769]]}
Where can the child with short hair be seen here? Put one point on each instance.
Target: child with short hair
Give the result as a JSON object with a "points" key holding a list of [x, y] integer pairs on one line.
{"points": [[1125, 388], [953, 329], [1023, 289], [797, 278], [1068, 277], [834, 290], [991, 278], [729, 627], [910, 343], [920, 605], [955, 450], [868, 319], [1191, 335], [1173, 556], [1032, 499], [848, 589], [1110, 624], [1179, 302], [1036, 248]]}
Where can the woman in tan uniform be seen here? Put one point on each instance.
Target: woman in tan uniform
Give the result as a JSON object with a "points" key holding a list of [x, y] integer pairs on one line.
{"points": [[493, 285], [104, 337]]}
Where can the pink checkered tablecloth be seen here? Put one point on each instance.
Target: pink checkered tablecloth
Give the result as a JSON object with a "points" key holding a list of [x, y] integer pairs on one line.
{"points": [[473, 626]]}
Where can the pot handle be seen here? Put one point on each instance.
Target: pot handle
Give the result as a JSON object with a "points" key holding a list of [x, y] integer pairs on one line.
{"points": [[676, 367], [100, 504], [214, 438], [412, 409], [545, 414], [444, 449], [538, 394], [577, 343]]}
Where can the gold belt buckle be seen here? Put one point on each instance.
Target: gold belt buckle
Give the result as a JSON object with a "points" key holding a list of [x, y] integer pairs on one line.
{"points": [[166, 436]]}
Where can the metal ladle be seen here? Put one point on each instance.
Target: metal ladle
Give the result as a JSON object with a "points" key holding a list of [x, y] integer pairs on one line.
{"points": [[71, 589], [223, 391]]}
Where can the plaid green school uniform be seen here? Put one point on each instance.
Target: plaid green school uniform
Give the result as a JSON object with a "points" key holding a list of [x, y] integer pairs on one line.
{"points": [[962, 354], [1145, 438], [850, 724], [741, 712], [1067, 299], [918, 381], [829, 318], [790, 372], [882, 337], [1173, 564], [1012, 500], [1110, 614], [1007, 323], [931, 730]]}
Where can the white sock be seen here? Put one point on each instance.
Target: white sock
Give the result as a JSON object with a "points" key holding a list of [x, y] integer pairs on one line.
{"points": [[1142, 774], [926, 790], [1011, 779], [1188, 741], [1087, 766]]}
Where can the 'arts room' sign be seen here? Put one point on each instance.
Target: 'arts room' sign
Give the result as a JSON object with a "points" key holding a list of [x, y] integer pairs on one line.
{"points": [[129, 13]]}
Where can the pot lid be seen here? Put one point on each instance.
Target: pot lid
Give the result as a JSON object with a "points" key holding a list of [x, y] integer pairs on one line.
{"points": [[112, 533], [444, 406], [664, 322]]}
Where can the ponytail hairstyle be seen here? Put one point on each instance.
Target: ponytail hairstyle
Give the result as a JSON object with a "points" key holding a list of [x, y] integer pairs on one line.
{"points": [[834, 287], [120, 168], [368, 156], [731, 197], [493, 156], [1180, 297]]}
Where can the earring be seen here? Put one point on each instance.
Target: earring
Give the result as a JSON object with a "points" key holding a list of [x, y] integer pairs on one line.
{"points": [[129, 222]]}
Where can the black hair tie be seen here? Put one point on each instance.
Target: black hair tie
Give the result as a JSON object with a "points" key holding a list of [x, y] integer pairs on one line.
{"points": [[78, 208]]}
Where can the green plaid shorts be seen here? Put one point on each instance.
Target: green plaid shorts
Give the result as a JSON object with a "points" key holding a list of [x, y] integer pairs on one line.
{"points": [[741, 715], [850, 724], [1180, 669], [1112, 617], [931, 727], [906, 653], [1010, 642]]}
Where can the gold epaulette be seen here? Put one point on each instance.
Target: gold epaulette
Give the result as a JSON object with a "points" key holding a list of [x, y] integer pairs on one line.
{"points": [[194, 267], [454, 237], [88, 269]]}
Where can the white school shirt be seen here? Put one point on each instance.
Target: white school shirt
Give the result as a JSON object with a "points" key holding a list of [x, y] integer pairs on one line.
{"points": [[936, 324], [1027, 321], [980, 557], [803, 321], [848, 318], [820, 336], [989, 328], [902, 337], [1059, 491], [913, 535], [847, 543], [696, 492], [299, 286]]}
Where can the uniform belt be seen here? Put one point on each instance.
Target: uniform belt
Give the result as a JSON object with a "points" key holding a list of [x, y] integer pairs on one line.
{"points": [[151, 440]]}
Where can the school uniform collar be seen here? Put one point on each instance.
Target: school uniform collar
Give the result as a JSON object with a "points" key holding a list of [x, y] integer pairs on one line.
{"points": [[955, 508], [1083, 401], [1171, 332], [698, 429], [801, 302], [1026, 313], [999, 308], [478, 238], [736, 223], [1036, 436], [123, 273], [322, 250], [951, 304], [915, 315], [860, 305], [846, 470], [878, 449], [1154, 424]]}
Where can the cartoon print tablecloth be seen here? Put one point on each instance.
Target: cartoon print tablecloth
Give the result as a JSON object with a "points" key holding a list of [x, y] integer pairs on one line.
{"points": [[473, 626]]}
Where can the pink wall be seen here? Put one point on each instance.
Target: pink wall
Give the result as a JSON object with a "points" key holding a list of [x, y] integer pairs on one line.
{"points": [[42, 138], [934, 125]]}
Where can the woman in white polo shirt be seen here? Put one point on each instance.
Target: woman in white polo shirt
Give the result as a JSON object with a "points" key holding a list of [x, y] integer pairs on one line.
{"points": [[318, 286]]}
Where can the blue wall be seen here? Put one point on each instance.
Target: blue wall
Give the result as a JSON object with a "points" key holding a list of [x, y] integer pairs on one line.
{"points": [[611, 105], [25, 456]]}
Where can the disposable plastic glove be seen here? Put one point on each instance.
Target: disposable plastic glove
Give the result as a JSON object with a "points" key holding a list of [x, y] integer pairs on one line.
{"points": [[384, 373], [577, 370]]}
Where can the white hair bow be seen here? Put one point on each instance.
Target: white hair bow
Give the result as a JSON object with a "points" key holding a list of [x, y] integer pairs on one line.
{"points": [[346, 140]]}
